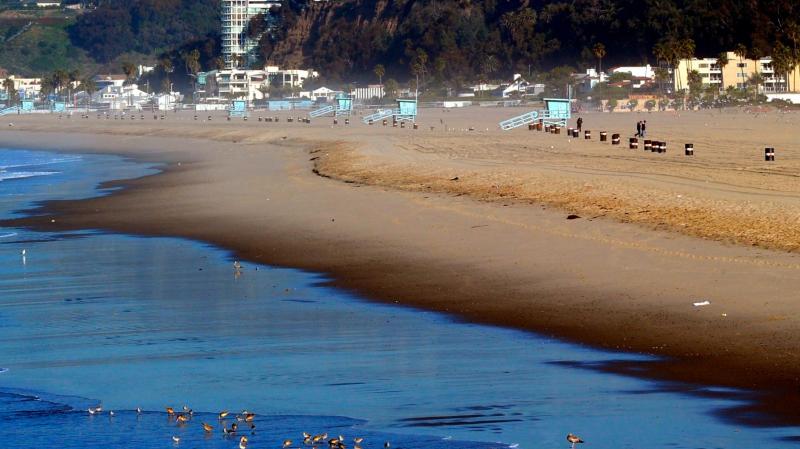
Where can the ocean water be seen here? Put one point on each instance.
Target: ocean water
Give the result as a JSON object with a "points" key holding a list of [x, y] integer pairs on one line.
{"points": [[90, 318]]}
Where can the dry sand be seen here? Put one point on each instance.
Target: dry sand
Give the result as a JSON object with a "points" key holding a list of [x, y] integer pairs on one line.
{"points": [[494, 246]]}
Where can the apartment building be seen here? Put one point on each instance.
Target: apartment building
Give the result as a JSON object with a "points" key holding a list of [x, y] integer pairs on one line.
{"points": [[736, 73], [236, 15]]}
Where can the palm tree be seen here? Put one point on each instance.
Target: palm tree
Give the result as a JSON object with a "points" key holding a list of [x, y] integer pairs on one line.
{"points": [[129, 69], [11, 91], [722, 61], [379, 71], [686, 50], [599, 51], [755, 81], [741, 52]]}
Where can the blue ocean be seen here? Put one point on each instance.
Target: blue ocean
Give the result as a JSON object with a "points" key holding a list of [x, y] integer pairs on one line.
{"points": [[90, 319]]}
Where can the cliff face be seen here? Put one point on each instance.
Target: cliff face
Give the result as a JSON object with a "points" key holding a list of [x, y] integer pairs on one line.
{"points": [[345, 34]]}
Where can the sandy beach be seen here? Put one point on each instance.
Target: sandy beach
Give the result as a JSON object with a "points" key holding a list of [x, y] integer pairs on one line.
{"points": [[473, 223]]}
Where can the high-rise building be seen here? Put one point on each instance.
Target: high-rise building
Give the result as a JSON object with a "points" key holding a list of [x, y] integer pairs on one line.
{"points": [[236, 15]]}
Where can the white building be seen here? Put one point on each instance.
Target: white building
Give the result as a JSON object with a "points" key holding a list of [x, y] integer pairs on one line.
{"points": [[293, 78], [27, 87], [102, 81], [118, 98], [369, 92], [236, 15], [321, 94], [646, 71], [251, 84]]}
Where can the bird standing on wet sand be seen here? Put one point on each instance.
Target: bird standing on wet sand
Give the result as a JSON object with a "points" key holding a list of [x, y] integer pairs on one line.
{"points": [[223, 414], [243, 443], [207, 427], [176, 439], [138, 410], [170, 411], [574, 439], [287, 443]]}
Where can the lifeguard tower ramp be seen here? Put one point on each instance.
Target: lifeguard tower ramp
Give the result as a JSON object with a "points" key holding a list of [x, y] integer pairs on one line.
{"points": [[9, 111], [406, 111], [379, 115], [343, 105], [238, 108], [556, 114]]}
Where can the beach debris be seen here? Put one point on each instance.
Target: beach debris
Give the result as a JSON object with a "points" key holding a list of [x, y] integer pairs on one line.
{"points": [[454, 179], [574, 439], [572, 216], [701, 303]]}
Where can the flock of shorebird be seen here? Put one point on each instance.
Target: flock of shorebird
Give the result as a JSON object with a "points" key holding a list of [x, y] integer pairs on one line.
{"points": [[247, 418]]}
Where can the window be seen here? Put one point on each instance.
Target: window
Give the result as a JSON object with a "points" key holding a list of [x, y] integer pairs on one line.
{"points": [[703, 66], [741, 65]]}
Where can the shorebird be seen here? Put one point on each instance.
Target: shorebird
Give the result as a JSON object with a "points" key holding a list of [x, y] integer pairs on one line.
{"points": [[243, 443], [358, 440], [170, 411], [231, 430], [223, 414], [237, 265], [207, 427], [249, 417], [182, 418], [317, 438], [386, 445], [176, 439], [91, 411], [138, 410], [574, 439], [287, 443], [111, 413]]}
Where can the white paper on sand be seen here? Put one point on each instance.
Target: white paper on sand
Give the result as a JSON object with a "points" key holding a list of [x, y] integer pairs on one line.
{"points": [[701, 303]]}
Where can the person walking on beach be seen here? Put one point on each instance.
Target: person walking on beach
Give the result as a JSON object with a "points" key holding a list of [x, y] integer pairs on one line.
{"points": [[580, 124], [639, 128], [644, 128]]}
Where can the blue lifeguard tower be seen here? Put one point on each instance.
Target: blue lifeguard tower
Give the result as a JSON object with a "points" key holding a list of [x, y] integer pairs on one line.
{"points": [[59, 106], [406, 111], [343, 105], [238, 108], [26, 105], [557, 112]]}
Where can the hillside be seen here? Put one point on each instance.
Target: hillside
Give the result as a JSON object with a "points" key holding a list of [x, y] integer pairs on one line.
{"points": [[445, 42], [34, 43]]}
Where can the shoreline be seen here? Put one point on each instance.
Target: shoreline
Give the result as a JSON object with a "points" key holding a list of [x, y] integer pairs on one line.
{"points": [[449, 277]]}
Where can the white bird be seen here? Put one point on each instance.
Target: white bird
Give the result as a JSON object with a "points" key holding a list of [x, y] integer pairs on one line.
{"points": [[24, 252], [176, 439], [111, 413], [138, 410]]}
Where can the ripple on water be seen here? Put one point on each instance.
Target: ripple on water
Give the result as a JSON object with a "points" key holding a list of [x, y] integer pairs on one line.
{"points": [[64, 423]]}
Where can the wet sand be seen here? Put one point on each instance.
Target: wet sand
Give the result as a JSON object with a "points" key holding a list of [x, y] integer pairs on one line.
{"points": [[493, 246]]}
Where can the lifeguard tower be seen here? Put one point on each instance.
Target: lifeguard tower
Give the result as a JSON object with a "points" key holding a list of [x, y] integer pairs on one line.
{"points": [[406, 111], [238, 108], [557, 113], [343, 105], [59, 106]]}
